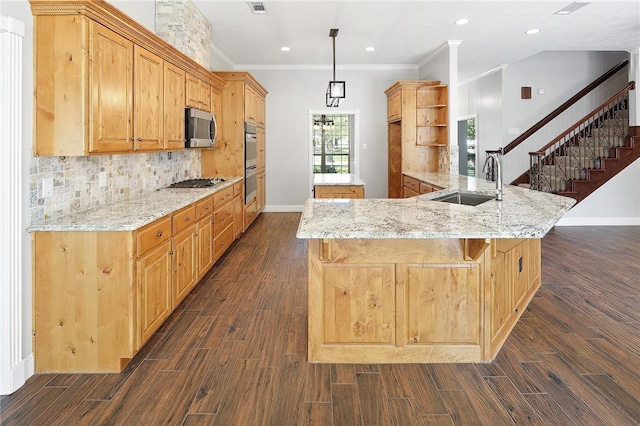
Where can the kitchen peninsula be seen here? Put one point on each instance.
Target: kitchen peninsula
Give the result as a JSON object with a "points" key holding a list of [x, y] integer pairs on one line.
{"points": [[337, 185], [418, 280]]}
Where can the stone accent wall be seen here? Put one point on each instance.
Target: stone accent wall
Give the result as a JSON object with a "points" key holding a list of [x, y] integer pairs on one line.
{"points": [[76, 186], [181, 24]]}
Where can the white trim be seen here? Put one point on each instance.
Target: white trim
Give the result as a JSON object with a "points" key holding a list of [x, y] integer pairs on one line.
{"points": [[323, 67], [484, 74], [220, 54], [11, 25], [599, 221], [283, 209], [433, 55]]}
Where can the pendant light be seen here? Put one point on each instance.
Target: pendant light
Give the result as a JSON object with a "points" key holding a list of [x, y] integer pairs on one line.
{"points": [[335, 89]]}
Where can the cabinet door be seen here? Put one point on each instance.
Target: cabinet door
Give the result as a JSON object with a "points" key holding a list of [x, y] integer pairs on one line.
{"points": [[261, 118], [501, 305], [149, 105], [260, 148], [237, 216], [184, 278], [518, 259], [205, 96], [394, 107], [111, 91], [154, 284], [174, 86], [193, 92], [249, 105], [261, 193], [205, 246]]}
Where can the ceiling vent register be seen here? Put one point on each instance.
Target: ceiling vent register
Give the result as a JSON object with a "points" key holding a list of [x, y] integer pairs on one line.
{"points": [[257, 8]]}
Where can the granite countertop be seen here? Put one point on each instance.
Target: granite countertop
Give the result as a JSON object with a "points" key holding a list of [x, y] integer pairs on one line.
{"points": [[131, 214], [522, 214], [337, 179]]}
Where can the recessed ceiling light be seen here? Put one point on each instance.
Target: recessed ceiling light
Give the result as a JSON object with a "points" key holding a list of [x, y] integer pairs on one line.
{"points": [[571, 8], [462, 21], [370, 49], [532, 31], [285, 48]]}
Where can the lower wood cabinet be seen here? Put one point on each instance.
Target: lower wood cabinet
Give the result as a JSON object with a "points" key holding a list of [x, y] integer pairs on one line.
{"points": [[430, 300], [338, 191], [99, 296]]}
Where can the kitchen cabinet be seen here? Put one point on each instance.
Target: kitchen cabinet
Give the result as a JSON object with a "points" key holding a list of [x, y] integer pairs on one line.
{"points": [[412, 187], [100, 295], [243, 102], [261, 191], [417, 139], [174, 96], [111, 95], [105, 84], [198, 93], [260, 150], [148, 84], [238, 225]]}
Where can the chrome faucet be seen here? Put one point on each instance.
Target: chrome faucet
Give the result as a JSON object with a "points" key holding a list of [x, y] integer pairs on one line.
{"points": [[496, 157]]}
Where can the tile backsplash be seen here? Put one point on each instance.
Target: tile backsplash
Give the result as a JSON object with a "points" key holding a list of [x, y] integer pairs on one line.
{"points": [[76, 179]]}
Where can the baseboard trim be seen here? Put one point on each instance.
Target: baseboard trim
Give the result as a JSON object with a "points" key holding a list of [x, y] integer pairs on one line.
{"points": [[19, 375], [599, 221], [282, 209]]}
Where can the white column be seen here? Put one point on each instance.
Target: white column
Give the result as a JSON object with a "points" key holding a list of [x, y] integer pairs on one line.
{"points": [[14, 369], [634, 95], [453, 105]]}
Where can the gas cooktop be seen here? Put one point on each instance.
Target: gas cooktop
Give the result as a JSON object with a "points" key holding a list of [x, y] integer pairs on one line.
{"points": [[198, 183]]}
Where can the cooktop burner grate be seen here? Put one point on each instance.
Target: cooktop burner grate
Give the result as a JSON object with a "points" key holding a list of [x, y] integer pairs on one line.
{"points": [[197, 183]]}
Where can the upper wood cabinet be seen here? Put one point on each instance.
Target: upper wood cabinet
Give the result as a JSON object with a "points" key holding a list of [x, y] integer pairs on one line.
{"points": [[105, 84], [174, 95], [254, 107], [198, 93], [149, 83], [111, 94], [417, 131]]}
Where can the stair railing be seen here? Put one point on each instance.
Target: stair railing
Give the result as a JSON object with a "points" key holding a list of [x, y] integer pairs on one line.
{"points": [[575, 153]]}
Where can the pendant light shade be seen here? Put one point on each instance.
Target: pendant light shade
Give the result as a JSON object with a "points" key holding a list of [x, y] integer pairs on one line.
{"points": [[336, 90]]}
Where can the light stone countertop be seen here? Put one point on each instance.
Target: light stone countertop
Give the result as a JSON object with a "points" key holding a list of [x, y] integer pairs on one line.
{"points": [[337, 179], [522, 214], [131, 214]]}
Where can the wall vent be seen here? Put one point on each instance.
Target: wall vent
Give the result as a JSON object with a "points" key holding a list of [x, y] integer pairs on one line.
{"points": [[257, 7]]}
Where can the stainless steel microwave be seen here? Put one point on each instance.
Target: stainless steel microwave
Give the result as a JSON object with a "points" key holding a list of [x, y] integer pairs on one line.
{"points": [[201, 129]]}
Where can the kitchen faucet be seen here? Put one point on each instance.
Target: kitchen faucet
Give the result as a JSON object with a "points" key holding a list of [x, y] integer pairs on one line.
{"points": [[496, 157]]}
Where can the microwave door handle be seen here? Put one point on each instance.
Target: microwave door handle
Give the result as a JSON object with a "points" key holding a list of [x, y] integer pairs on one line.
{"points": [[213, 130]]}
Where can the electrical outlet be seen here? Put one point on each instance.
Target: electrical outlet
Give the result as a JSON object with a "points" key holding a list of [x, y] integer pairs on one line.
{"points": [[102, 179], [47, 187]]}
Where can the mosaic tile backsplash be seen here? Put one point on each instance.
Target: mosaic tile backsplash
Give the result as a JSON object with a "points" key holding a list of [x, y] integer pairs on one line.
{"points": [[76, 179]]}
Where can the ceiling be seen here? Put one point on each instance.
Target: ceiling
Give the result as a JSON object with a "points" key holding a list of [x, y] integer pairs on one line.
{"points": [[406, 33]]}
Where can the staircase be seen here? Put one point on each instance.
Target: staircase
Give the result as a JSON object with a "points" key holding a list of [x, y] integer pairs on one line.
{"points": [[588, 154]]}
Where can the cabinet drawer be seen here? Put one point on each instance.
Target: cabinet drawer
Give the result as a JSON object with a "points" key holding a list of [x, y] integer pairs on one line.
{"points": [[153, 235], [222, 242], [411, 183], [204, 208], [425, 188], [237, 189], [222, 197], [184, 218], [222, 218]]}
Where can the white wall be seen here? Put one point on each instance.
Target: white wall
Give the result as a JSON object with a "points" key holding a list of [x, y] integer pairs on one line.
{"points": [[141, 11], [436, 67], [292, 93]]}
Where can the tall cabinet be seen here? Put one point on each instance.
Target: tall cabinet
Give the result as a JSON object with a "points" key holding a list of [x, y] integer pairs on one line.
{"points": [[418, 141], [243, 101]]}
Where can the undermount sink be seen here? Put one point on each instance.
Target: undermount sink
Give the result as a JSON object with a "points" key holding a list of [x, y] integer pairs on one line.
{"points": [[465, 198]]}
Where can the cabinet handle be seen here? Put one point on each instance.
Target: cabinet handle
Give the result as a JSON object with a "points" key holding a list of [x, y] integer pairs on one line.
{"points": [[133, 139], [188, 218], [139, 139], [171, 252], [195, 234], [159, 234]]}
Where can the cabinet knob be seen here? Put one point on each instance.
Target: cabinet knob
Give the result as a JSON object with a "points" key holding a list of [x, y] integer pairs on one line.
{"points": [[188, 218], [195, 234], [139, 139], [171, 252], [159, 234]]}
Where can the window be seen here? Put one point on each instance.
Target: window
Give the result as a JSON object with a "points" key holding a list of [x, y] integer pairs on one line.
{"points": [[332, 143]]}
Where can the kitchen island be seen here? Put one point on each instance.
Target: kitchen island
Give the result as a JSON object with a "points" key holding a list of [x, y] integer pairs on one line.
{"points": [[337, 185], [418, 280]]}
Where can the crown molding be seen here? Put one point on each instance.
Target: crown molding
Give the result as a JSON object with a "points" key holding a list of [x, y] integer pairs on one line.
{"points": [[223, 56], [432, 55], [484, 74], [322, 67]]}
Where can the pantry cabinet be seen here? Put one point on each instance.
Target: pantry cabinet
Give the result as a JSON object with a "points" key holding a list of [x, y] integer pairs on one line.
{"points": [[417, 139], [105, 84]]}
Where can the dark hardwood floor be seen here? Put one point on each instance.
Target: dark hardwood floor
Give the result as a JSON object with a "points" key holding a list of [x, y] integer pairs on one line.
{"points": [[234, 353]]}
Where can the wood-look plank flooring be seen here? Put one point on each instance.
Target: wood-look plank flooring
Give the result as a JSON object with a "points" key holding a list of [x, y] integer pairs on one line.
{"points": [[234, 353]]}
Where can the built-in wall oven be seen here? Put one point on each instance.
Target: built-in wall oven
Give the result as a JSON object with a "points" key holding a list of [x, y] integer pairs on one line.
{"points": [[250, 162]]}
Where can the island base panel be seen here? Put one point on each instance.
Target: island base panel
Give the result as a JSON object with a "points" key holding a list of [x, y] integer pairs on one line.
{"points": [[420, 301]]}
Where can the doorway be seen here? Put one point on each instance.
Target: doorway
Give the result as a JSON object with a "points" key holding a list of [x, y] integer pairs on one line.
{"points": [[468, 145]]}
